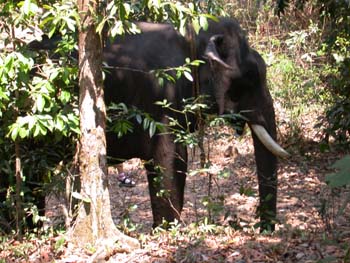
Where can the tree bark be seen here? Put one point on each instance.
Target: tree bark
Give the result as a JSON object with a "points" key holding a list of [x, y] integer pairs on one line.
{"points": [[94, 225]]}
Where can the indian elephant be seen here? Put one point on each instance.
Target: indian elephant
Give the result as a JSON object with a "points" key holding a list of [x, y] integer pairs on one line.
{"points": [[233, 75]]}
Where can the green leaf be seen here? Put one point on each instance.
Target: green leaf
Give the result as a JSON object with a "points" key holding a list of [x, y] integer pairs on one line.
{"points": [[170, 78], [52, 31], [178, 74], [59, 123], [117, 29], [145, 123], [70, 24], [42, 129], [196, 26], [75, 129], [79, 196], [14, 132], [203, 22], [191, 7], [197, 62], [40, 102], [182, 28], [60, 244], [26, 7], [127, 9], [138, 118], [9, 63], [65, 96], [23, 132], [152, 129], [3, 95], [122, 127], [188, 76], [122, 11], [73, 123], [154, 4], [343, 163], [101, 25], [31, 122], [224, 174], [342, 177]]}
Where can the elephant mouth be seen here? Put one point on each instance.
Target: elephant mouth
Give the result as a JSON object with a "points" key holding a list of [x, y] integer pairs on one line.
{"points": [[268, 141]]}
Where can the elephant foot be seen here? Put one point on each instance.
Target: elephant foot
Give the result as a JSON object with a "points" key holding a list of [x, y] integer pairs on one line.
{"points": [[267, 225], [267, 214], [165, 217], [165, 212]]}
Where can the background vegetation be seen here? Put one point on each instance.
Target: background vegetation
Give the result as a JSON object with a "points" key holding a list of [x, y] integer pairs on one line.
{"points": [[306, 45]]}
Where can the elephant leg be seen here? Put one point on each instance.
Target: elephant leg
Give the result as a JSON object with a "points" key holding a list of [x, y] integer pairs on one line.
{"points": [[266, 164], [166, 180]]}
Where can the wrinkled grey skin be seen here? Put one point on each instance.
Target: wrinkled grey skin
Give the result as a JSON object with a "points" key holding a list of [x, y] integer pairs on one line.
{"points": [[236, 82]]}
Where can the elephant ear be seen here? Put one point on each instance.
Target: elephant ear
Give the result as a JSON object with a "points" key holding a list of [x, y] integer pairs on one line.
{"points": [[257, 67], [211, 51]]}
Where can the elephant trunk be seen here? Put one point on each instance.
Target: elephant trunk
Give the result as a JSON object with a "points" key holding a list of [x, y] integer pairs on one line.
{"points": [[266, 163], [212, 53], [266, 151]]}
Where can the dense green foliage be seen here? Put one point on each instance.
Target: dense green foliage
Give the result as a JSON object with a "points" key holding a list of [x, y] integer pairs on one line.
{"points": [[38, 89], [337, 74], [308, 54], [38, 106]]}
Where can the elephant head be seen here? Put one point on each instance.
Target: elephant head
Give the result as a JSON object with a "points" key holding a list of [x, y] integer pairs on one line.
{"points": [[235, 75]]}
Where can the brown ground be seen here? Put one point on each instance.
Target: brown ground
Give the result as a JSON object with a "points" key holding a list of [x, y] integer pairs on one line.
{"points": [[303, 235]]}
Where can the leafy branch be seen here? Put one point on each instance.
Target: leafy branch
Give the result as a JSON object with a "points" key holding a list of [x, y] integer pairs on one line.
{"points": [[183, 70], [122, 120]]}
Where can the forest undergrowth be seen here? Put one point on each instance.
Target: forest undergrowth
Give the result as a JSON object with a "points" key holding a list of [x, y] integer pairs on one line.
{"points": [[313, 224], [218, 222]]}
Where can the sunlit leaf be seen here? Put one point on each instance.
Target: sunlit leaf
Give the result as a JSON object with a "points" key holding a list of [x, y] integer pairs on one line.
{"points": [[145, 123], [31, 122], [40, 102], [138, 118], [26, 7], [203, 22], [65, 96], [117, 29], [196, 25], [152, 129], [59, 124], [52, 31], [23, 132], [14, 132], [79, 196], [188, 76]]}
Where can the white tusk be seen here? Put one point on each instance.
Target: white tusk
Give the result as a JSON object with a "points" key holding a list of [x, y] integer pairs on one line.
{"points": [[269, 143]]}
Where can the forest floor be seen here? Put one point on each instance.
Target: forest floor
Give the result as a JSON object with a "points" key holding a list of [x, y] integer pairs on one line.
{"points": [[313, 225]]}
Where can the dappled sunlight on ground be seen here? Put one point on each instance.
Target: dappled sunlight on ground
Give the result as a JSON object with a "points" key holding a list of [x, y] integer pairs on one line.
{"points": [[306, 232]]}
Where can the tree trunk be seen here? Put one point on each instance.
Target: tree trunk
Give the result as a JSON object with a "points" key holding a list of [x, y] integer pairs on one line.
{"points": [[18, 165], [94, 222]]}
